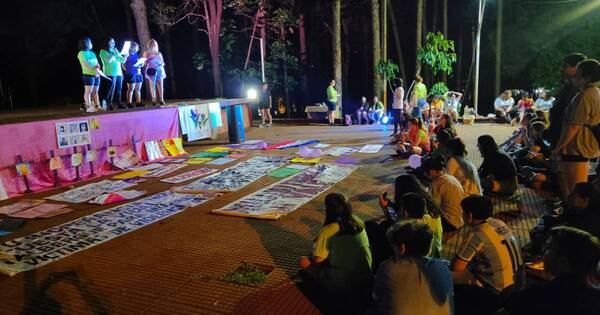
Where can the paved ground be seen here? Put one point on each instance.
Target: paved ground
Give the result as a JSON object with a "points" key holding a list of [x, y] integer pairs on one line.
{"points": [[174, 266]]}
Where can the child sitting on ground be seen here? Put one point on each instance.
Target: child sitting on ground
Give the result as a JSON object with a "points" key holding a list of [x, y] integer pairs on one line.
{"points": [[409, 282], [446, 191], [341, 262], [416, 141]]}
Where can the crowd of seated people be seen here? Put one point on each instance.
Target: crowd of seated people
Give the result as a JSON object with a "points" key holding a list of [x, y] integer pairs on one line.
{"points": [[392, 265]]}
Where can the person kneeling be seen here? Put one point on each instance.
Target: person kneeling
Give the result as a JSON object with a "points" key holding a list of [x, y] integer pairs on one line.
{"points": [[416, 141], [410, 282]]}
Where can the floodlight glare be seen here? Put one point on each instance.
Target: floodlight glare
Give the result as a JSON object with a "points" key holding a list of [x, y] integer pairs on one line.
{"points": [[385, 119], [252, 94]]}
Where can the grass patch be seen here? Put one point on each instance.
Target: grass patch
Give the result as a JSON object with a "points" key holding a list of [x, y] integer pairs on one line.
{"points": [[248, 274]]}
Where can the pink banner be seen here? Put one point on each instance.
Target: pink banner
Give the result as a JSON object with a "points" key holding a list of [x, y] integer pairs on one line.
{"points": [[34, 140]]}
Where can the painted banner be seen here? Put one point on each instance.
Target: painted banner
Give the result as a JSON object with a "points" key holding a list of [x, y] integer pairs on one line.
{"points": [[73, 133], [189, 175], [90, 191], [164, 170], [237, 176], [195, 121], [287, 195], [41, 248], [339, 151], [371, 148]]}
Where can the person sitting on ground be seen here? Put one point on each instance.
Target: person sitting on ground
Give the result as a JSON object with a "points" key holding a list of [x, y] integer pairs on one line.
{"points": [[503, 104], [544, 101], [461, 168], [571, 257], [497, 172], [453, 104], [341, 262], [519, 137], [487, 262], [439, 143], [446, 191], [416, 141], [445, 122], [363, 111], [414, 206], [377, 110], [437, 106], [525, 102], [409, 282]]}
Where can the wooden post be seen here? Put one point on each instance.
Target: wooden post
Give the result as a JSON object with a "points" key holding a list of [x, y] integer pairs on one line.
{"points": [[27, 187], [77, 178], [56, 180], [89, 148], [112, 159]]}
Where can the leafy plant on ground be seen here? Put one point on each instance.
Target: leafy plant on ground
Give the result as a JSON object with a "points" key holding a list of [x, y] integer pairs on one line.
{"points": [[247, 274]]}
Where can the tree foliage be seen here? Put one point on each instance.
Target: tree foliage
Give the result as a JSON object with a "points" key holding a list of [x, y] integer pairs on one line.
{"points": [[438, 54]]}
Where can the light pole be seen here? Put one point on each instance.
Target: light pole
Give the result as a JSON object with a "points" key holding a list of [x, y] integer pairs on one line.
{"points": [[477, 53]]}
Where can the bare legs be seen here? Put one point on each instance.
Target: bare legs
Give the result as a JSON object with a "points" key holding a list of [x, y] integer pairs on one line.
{"points": [[134, 88], [267, 119], [159, 87], [95, 97], [156, 87], [152, 87], [330, 117], [87, 93]]}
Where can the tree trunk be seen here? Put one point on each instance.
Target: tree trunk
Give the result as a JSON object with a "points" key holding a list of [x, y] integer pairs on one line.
{"points": [[375, 20], [170, 63], [303, 60], [214, 10], [337, 50], [499, 18], [445, 30], [419, 27], [141, 22], [346, 53], [397, 42]]}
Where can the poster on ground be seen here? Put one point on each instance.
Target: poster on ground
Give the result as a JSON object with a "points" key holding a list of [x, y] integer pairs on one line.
{"points": [[289, 194], [73, 133], [90, 191], [237, 176], [41, 248]]}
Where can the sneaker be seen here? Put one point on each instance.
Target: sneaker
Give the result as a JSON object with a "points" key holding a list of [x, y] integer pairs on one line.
{"points": [[261, 126], [103, 104], [269, 125], [90, 110], [83, 107], [162, 103]]}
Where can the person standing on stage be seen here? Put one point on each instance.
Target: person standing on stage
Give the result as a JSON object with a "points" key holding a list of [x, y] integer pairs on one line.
{"points": [[332, 98], [397, 106], [133, 75], [91, 79], [155, 72], [264, 105], [421, 95], [111, 62]]}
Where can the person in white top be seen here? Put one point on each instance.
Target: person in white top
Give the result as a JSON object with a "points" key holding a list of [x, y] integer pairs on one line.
{"points": [[544, 102], [503, 104], [398, 107], [459, 167], [453, 104]]}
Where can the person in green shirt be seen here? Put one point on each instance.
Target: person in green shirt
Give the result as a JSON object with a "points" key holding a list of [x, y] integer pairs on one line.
{"points": [[91, 79], [111, 63], [377, 110], [332, 98], [421, 96]]}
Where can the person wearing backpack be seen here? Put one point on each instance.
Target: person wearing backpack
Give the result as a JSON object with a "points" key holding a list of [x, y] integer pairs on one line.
{"points": [[577, 143]]}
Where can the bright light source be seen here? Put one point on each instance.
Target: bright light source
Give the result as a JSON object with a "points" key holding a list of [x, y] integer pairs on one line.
{"points": [[385, 119], [252, 94]]}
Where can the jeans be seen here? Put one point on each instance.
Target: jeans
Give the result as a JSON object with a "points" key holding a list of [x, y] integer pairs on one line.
{"points": [[115, 87]]}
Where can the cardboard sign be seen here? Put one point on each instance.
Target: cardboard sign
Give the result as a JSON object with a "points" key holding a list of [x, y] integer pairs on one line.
{"points": [[76, 159], [56, 163]]}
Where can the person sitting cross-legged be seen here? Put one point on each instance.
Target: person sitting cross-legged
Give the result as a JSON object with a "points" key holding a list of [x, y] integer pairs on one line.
{"points": [[571, 257], [488, 261], [498, 172], [410, 282], [446, 191]]}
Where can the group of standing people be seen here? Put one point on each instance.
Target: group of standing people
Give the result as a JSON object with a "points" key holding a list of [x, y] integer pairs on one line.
{"points": [[118, 66]]}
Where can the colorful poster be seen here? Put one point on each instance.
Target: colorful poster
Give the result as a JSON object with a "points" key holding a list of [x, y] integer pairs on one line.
{"points": [[23, 169], [38, 211], [20, 205], [127, 160], [306, 160], [36, 250], [76, 159], [90, 155], [237, 176], [221, 161], [170, 146], [90, 191], [189, 175], [371, 148], [111, 151], [153, 151], [131, 174], [56, 163], [164, 170], [179, 145], [287, 195], [197, 161], [73, 133], [195, 121]]}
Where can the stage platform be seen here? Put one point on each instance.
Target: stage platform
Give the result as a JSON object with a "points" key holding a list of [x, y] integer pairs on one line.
{"points": [[174, 266], [32, 136]]}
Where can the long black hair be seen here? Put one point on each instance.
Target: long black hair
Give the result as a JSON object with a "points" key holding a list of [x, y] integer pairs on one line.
{"points": [[338, 209], [83, 43], [487, 145], [410, 184]]}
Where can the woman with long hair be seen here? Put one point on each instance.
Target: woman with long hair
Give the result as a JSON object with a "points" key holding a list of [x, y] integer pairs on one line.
{"points": [[459, 167], [341, 262], [416, 141], [133, 75], [498, 173], [445, 123], [155, 72], [91, 80], [111, 63]]}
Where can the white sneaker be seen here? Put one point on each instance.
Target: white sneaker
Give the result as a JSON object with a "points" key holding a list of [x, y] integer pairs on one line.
{"points": [[90, 110], [261, 126], [269, 125], [103, 106]]}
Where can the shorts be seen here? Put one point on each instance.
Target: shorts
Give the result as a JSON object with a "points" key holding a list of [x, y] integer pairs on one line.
{"points": [[264, 106], [91, 80], [133, 78], [330, 105], [573, 158]]}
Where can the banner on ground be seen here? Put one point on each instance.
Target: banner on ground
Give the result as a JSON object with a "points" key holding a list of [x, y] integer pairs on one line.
{"points": [[41, 248], [90, 191], [237, 176], [287, 195]]}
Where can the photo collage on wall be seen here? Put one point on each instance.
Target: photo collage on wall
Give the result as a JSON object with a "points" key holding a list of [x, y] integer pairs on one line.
{"points": [[73, 133]]}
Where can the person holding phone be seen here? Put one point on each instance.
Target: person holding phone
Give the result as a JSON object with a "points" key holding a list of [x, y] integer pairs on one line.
{"points": [[155, 72], [111, 61]]}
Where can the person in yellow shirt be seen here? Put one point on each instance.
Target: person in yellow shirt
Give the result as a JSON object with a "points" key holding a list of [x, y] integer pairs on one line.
{"points": [[437, 106]]}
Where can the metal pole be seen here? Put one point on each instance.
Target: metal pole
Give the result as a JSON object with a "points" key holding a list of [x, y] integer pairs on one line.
{"points": [[498, 47], [477, 54], [384, 49], [262, 59]]}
